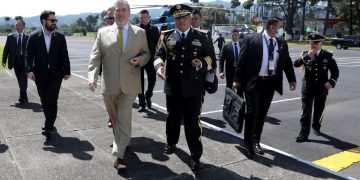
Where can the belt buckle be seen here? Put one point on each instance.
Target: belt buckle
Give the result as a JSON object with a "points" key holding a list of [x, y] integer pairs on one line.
{"points": [[263, 77]]}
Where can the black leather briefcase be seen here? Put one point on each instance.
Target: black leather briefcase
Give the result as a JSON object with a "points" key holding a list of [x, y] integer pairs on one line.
{"points": [[234, 109]]}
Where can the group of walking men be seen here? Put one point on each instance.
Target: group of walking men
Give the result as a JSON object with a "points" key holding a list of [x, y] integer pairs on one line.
{"points": [[184, 58]]}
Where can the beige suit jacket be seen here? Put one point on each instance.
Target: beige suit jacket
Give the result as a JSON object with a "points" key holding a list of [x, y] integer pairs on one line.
{"points": [[118, 74]]}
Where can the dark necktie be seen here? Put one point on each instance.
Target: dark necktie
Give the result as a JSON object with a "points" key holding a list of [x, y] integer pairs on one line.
{"points": [[19, 48], [182, 37], [236, 53], [271, 55]]}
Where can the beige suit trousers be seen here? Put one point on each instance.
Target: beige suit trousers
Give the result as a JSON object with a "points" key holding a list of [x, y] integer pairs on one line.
{"points": [[119, 108]]}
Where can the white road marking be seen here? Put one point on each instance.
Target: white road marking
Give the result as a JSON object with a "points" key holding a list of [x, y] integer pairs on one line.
{"points": [[278, 151], [78, 71], [350, 65], [79, 64], [72, 60]]}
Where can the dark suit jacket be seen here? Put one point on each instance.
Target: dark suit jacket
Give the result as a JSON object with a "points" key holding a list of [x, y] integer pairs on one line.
{"points": [[55, 63], [152, 36], [227, 54], [249, 64], [10, 50]]}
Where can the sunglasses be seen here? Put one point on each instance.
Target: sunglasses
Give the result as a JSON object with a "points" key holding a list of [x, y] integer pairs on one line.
{"points": [[110, 18], [53, 20]]}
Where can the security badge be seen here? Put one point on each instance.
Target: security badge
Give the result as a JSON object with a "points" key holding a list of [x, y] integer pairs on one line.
{"points": [[271, 63]]}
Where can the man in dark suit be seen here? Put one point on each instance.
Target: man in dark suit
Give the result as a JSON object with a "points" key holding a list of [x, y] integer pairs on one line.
{"points": [[47, 64], [152, 35], [317, 63], [220, 40], [230, 53], [14, 52], [259, 73], [181, 59]]}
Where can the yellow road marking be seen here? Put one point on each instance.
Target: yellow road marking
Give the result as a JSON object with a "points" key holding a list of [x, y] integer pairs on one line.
{"points": [[340, 161]]}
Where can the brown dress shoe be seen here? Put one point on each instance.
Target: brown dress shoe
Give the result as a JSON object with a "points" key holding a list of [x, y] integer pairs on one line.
{"points": [[119, 164], [110, 124]]}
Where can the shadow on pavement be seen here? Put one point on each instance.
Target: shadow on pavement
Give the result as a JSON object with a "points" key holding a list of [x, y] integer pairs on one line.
{"points": [[138, 169], [272, 120], [213, 172], [35, 107], [70, 145], [285, 162], [150, 170], [3, 148], [332, 141]]}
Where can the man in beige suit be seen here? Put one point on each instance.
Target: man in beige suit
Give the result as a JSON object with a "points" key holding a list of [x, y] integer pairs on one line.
{"points": [[122, 49]]}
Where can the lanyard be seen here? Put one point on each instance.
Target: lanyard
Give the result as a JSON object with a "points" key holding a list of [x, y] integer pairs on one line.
{"points": [[268, 43]]}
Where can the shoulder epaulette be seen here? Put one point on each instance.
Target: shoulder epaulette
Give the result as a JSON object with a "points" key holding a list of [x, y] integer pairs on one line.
{"points": [[201, 30], [326, 51], [167, 31]]}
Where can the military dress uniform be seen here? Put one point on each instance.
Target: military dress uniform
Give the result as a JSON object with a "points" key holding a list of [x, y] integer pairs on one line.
{"points": [[313, 89], [183, 84]]}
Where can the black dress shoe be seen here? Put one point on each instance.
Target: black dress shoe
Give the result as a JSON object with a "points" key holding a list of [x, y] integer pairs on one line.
{"points": [[23, 100], [169, 149], [142, 109], [258, 149], [148, 103], [47, 132], [300, 139], [317, 132], [196, 166]]}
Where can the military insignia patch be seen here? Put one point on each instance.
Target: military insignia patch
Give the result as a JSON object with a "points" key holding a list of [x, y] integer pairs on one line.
{"points": [[196, 42], [171, 43]]}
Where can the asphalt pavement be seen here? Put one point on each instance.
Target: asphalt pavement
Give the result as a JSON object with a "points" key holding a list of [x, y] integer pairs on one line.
{"points": [[81, 148]]}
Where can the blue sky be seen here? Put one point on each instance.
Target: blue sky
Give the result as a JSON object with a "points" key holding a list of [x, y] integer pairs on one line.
{"points": [[27, 8]]}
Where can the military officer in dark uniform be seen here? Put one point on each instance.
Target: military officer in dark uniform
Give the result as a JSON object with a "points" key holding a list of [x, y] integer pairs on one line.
{"points": [[317, 62], [184, 54]]}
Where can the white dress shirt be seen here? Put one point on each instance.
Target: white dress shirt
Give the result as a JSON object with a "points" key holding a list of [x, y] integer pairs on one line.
{"points": [[180, 32], [265, 59], [47, 39]]}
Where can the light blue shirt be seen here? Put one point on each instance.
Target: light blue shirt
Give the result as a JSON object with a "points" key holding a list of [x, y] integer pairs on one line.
{"points": [[125, 33]]}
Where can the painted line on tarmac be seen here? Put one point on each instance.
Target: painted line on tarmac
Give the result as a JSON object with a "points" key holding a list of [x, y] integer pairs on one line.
{"points": [[349, 65], [340, 161], [347, 58], [79, 64], [278, 151], [78, 71], [263, 145], [74, 59], [284, 100], [345, 63], [273, 102]]}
